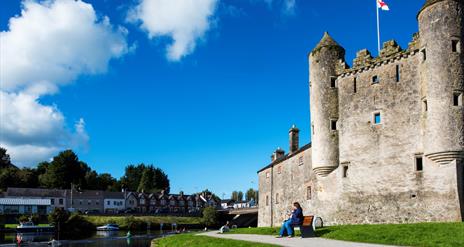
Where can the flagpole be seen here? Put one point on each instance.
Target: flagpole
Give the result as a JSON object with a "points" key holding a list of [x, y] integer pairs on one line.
{"points": [[378, 27]]}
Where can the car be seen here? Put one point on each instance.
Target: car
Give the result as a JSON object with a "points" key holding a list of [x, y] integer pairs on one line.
{"points": [[91, 211]]}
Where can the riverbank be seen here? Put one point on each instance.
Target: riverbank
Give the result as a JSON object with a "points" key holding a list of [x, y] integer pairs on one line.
{"points": [[193, 240], [144, 222], [421, 234]]}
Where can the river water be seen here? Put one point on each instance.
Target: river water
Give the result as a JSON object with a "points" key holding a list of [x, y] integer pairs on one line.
{"points": [[99, 239]]}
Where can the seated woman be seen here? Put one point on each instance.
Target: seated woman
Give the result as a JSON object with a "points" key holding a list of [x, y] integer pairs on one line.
{"points": [[296, 218]]}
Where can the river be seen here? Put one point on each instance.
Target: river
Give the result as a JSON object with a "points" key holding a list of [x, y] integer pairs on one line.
{"points": [[99, 239]]}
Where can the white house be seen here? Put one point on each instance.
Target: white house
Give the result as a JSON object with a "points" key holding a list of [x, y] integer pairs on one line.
{"points": [[114, 202], [10, 205]]}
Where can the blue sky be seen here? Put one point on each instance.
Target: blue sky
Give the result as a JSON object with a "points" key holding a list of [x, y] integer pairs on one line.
{"points": [[212, 118]]}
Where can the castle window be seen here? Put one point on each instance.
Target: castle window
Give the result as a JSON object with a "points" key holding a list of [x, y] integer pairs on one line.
{"points": [[268, 174], [277, 199], [456, 46], [355, 89], [312, 128], [308, 193], [375, 79], [333, 82], [398, 73], [424, 55], [419, 163], [279, 169], [267, 200], [333, 124], [345, 171], [424, 105], [377, 118], [300, 161], [457, 99]]}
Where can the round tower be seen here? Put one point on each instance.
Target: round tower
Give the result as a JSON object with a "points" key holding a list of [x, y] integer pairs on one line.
{"points": [[324, 104], [441, 33]]}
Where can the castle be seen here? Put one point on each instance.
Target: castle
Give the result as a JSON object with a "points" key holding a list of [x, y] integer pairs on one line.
{"points": [[387, 134]]}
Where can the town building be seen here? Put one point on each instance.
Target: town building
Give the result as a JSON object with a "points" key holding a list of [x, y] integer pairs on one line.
{"points": [[15, 206], [114, 202], [57, 197], [387, 133]]}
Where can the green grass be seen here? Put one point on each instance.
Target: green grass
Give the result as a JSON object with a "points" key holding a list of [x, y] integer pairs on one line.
{"points": [[154, 220], [190, 240], [422, 234], [15, 225]]}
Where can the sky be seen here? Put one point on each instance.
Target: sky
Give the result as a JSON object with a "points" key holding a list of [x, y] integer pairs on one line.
{"points": [[204, 89]]}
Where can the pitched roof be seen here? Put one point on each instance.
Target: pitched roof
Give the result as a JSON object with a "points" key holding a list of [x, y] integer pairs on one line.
{"points": [[286, 157], [113, 195], [34, 192], [326, 41]]}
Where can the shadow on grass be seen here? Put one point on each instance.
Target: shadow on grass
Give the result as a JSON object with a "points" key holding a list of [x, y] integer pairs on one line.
{"points": [[323, 231]]}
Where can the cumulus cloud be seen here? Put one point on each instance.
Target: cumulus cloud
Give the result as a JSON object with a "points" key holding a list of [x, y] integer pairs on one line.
{"points": [[50, 44], [184, 21]]}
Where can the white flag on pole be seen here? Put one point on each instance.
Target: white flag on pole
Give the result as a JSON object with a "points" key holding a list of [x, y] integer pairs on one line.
{"points": [[382, 5]]}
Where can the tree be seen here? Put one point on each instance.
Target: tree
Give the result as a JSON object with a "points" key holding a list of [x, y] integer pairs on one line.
{"points": [[64, 169], [240, 196], [5, 160], [9, 178], [145, 177], [209, 216], [132, 176], [250, 194], [146, 181], [234, 195], [58, 216]]}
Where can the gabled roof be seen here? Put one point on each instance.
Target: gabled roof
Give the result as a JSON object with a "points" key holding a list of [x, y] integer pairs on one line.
{"points": [[113, 195], [286, 157]]}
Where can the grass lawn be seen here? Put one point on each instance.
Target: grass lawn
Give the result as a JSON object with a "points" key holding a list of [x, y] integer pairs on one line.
{"points": [[421, 234], [154, 220], [191, 240], [14, 225]]}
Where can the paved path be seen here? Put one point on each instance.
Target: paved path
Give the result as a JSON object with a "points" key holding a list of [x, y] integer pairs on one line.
{"points": [[289, 242]]}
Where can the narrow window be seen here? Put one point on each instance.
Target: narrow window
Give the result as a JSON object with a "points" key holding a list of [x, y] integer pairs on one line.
{"points": [[268, 174], [333, 124], [312, 128], [267, 200], [333, 82], [424, 55], [377, 118], [279, 169], [457, 99], [375, 79], [398, 73], [455, 46], [424, 106], [300, 161], [277, 199], [345, 171], [355, 88], [308, 193], [419, 163]]}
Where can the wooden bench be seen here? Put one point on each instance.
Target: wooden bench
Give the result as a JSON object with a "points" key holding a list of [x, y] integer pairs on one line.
{"points": [[307, 228]]}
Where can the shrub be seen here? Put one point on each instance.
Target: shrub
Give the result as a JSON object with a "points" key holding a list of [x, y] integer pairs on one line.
{"points": [[209, 216]]}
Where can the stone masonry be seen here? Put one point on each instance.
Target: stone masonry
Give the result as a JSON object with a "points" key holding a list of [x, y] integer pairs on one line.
{"points": [[387, 134]]}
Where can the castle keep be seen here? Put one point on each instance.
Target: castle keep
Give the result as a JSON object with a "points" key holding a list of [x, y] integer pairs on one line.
{"points": [[387, 134]]}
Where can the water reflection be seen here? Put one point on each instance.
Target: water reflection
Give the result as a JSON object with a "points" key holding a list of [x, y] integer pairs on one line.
{"points": [[99, 239]]}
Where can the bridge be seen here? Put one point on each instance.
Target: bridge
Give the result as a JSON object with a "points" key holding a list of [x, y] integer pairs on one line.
{"points": [[241, 217]]}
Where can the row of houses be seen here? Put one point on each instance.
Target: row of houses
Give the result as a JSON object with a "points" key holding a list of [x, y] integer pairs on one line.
{"points": [[43, 201]]}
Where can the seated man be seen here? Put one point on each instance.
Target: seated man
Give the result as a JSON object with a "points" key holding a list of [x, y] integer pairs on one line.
{"points": [[295, 220]]}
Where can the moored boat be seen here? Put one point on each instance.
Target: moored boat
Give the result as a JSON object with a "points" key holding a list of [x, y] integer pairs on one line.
{"points": [[108, 227]]}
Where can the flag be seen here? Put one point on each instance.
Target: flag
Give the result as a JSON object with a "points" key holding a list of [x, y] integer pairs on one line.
{"points": [[382, 5]]}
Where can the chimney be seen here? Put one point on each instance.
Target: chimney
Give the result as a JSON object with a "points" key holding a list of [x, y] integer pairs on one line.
{"points": [[294, 139], [279, 153]]}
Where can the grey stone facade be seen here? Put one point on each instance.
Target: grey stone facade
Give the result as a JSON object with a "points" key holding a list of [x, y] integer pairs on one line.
{"points": [[387, 134]]}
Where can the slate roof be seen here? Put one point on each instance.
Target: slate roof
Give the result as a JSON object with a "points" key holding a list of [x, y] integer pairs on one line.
{"points": [[24, 201]]}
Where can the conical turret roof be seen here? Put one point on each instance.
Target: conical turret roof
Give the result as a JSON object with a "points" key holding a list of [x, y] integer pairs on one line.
{"points": [[326, 41]]}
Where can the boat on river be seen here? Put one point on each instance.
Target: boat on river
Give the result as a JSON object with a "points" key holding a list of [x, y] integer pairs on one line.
{"points": [[29, 226], [108, 227]]}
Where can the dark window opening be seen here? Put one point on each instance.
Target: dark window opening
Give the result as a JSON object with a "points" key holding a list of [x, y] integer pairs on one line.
{"points": [[355, 89], [419, 163], [375, 79], [424, 55], [397, 73], [377, 118], [333, 82], [345, 171], [455, 46], [312, 128], [424, 105], [308, 193], [333, 124], [457, 99], [267, 200], [277, 199]]}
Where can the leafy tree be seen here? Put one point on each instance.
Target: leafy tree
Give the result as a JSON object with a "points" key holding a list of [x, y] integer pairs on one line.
{"points": [[9, 178], [161, 180], [240, 196], [209, 216], [132, 176], [64, 169], [234, 195], [251, 194], [28, 178], [146, 178], [5, 160], [107, 182], [146, 181], [58, 216]]}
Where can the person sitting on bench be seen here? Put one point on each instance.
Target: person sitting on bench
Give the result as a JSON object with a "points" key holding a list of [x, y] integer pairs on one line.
{"points": [[295, 219]]}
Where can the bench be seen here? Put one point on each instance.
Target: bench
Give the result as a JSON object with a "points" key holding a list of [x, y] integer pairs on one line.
{"points": [[308, 226]]}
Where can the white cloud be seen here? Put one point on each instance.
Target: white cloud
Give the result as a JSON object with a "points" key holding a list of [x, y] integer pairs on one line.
{"points": [[50, 44], [184, 21], [289, 7]]}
